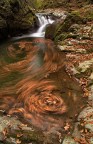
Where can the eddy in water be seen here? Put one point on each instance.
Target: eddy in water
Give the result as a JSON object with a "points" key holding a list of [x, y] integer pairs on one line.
{"points": [[35, 85]]}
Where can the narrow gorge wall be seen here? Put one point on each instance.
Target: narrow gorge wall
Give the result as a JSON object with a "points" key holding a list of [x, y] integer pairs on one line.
{"points": [[16, 16]]}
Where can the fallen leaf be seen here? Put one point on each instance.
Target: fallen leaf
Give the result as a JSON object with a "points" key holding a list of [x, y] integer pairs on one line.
{"points": [[66, 127], [18, 141]]}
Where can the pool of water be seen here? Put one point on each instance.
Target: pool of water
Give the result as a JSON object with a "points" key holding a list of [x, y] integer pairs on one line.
{"points": [[35, 87]]}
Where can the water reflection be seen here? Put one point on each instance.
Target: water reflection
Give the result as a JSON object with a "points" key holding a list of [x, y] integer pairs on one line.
{"points": [[34, 84]]}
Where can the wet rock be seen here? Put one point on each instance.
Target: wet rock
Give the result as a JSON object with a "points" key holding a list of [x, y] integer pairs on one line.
{"points": [[86, 113], [69, 140], [76, 133], [12, 130], [5, 122], [83, 130], [16, 16], [50, 31], [74, 28], [62, 26], [60, 17]]}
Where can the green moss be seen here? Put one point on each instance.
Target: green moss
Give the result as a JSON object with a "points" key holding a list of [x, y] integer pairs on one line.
{"points": [[86, 12], [61, 37], [62, 28], [64, 36], [41, 4]]}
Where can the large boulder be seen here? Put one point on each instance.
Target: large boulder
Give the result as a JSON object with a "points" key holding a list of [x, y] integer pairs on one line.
{"points": [[58, 30], [64, 28], [15, 16]]}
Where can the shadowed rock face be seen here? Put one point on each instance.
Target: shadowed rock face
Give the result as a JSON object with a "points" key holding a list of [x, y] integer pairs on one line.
{"points": [[16, 16], [35, 85]]}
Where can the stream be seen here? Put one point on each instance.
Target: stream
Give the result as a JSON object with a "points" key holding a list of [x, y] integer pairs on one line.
{"points": [[34, 84]]}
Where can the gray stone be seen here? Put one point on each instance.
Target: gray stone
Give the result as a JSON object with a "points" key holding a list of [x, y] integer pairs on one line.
{"points": [[69, 140], [89, 124], [88, 111], [85, 65]]}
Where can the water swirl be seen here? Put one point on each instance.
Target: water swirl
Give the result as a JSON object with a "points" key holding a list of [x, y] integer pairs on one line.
{"points": [[34, 84]]}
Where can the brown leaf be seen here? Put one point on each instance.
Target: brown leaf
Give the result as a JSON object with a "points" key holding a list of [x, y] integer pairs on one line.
{"points": [[18, 141], [19, 135], [5, 132], [66, 127]]}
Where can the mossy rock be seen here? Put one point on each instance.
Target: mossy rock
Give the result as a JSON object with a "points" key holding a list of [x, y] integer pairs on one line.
{"points": [[16, 16], [59, 30], [50, 30], [70, 19], [85, 12], [2, 23]]}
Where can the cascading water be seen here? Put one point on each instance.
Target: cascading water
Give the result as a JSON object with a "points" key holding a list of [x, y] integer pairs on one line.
{"points": [[43, 20]]}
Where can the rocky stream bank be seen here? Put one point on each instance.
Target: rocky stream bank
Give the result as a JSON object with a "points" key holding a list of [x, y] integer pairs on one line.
{"points": [[73, 36]]}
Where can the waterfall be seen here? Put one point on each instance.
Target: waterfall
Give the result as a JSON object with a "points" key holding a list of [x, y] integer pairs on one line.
{"points": [[43, 21]]}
